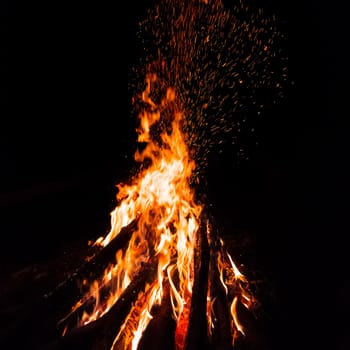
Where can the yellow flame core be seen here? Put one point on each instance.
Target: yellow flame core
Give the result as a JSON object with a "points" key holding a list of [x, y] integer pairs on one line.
{"points": [[160, 197]]}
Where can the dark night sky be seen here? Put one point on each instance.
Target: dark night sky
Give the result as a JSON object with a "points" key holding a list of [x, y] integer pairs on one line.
{"points": [[67, 139]]}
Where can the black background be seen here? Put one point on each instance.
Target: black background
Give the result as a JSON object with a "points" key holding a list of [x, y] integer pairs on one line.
{"points": [[67, 139]]}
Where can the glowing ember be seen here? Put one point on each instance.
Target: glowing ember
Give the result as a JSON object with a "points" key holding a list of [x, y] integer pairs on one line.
{"points": [[173, 106]]}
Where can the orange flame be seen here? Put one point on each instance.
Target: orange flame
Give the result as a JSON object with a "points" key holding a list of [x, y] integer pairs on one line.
{"points": [[169, 220], [160, 197]]}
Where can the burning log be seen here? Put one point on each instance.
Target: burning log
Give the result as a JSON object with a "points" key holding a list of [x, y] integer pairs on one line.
{"points": [[107, 254], [159, 335], [221, 334], [99, 260], [196, 336], [99, 334]]}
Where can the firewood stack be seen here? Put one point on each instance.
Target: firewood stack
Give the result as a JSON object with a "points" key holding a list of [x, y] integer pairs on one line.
{"points": [[161, 333]]}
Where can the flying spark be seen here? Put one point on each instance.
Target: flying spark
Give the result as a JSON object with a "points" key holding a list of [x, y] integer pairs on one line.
{"points": [[226, 65]]}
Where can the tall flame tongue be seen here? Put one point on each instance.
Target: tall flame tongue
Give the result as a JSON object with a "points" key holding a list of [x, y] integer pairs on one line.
{"points": [[160, 198]]}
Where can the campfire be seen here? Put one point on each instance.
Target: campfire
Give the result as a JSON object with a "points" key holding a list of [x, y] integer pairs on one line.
{"points": [[168, 263], [163, 277]]}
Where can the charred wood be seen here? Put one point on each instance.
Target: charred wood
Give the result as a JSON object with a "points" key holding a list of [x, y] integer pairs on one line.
{"points": [[101, 333], [196, 337], [100, 259], [221, 334], [159, 335]]}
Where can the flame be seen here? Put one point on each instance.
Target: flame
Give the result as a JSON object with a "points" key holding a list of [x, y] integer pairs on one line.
{"points": [[168, 224], [161, 199], [236, 287]]}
